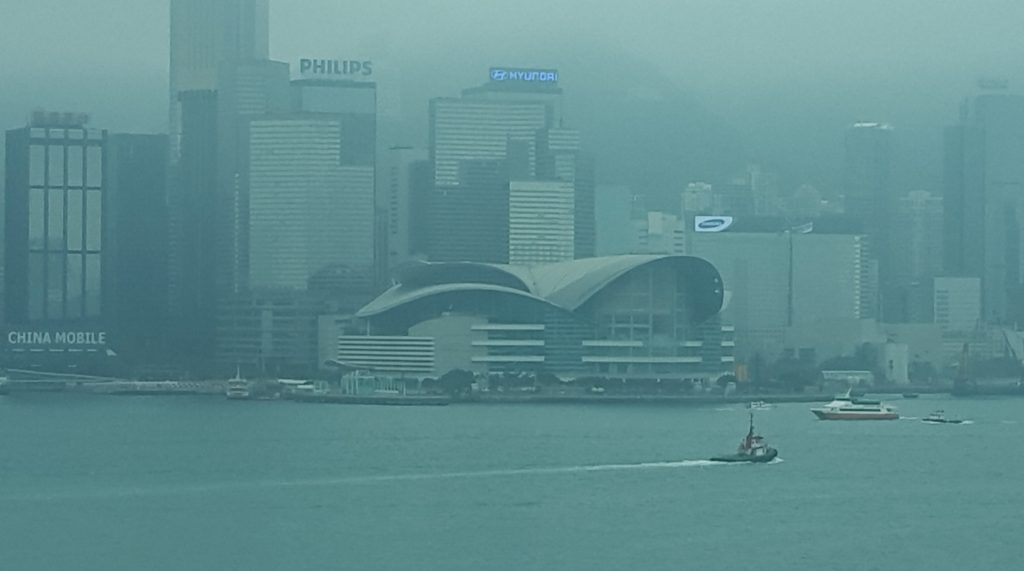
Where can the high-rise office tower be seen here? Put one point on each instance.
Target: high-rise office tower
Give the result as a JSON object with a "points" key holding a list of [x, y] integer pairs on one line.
{"points": [[206, 34], [957, 304], [471, 129], [403, 185], [218, 71], [192, 221], [754, 191], [244, 90], [699, 198], [541, 227], [868, 192], [916, 254], [469, 221], [984, 208], [507, 130], [560, 158], [307, 209], [135, 291], [54, 222], [308, 180], [352, 105]]}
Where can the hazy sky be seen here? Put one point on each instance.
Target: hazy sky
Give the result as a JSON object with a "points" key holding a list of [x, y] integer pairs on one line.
{"points": [[780, 78]]}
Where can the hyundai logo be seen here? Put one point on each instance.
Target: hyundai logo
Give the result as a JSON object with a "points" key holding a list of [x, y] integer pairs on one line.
{"points": [[499, 74]]}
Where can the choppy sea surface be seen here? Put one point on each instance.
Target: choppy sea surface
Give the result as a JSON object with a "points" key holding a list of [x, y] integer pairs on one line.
{"points": [[201, 483]]}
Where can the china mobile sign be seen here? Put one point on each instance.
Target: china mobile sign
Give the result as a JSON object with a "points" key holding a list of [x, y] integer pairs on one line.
{"points": [[711, 223], [520, 75], [56, 339]]}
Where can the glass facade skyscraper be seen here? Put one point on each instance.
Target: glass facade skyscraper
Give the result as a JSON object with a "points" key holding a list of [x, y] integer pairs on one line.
{"points": [[983, 208], [869, 197], [54, 235], [502, 133], [206, 34]]}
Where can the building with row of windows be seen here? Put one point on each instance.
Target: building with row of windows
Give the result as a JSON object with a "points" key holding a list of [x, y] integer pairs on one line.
{"points": [[510, 183], [634, 317], [84, 242]]}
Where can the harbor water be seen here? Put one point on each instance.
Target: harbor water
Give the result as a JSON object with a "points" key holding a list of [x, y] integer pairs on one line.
{"points": [[93, 482]]}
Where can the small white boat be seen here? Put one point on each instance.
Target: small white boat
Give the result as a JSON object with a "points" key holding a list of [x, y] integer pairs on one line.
{"points": [[238, 388], [759, 405], [939, 417]]}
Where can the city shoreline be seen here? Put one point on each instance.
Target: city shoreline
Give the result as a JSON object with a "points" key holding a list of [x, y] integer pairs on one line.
{"points": [[215, 390]]}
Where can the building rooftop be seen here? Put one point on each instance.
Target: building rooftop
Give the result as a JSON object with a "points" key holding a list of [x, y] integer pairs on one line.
{"points": [[567, 285]]}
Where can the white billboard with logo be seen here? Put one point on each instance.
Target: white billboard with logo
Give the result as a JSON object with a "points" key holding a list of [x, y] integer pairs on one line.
{"points": [[711, 223]]}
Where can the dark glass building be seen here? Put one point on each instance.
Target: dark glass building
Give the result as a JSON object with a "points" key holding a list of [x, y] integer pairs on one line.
{"points": [[869, 197], [53, 241], [983, 186], [193, 231], [55, 245], [135, 291]]}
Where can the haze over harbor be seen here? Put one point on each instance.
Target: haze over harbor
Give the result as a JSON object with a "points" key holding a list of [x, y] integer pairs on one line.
{"points": [[448, 285]]}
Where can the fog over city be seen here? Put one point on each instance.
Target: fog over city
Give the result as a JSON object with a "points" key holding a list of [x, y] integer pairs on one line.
{"points": [[664, 92], [503, 286]]}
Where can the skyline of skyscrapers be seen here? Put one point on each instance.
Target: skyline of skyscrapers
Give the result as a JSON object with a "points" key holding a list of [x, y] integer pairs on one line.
{"points": [[280, 204]]}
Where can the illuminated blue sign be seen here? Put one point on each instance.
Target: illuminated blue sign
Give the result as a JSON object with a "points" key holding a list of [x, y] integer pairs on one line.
{"points": [[509, 74]]}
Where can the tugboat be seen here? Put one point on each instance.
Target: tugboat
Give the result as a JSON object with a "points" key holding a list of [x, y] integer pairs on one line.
{"points": [[848, 407], [939, 417], [751, 449]]}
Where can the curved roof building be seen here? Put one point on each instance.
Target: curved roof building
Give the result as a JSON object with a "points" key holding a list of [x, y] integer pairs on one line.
{"points": [[630, 316]]}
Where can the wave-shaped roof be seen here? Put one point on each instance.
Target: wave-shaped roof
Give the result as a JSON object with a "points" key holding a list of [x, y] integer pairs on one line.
{"points": [[567, 285]]}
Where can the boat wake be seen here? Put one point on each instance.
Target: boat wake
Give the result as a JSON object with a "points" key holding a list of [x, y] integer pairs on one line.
{"points": [[139, 492], [508, 472]]}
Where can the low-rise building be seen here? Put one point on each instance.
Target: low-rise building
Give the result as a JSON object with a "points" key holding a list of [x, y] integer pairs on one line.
{"points": [[631, 317]]}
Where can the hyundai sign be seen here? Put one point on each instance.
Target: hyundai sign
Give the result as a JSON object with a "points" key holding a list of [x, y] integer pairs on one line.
{"points": [[711, 223], [521, 75], [334, 68]]}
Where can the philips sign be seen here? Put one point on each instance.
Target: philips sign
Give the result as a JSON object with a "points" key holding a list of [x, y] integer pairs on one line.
{"points": [[711, 223], [516, 75], [319, 68]]}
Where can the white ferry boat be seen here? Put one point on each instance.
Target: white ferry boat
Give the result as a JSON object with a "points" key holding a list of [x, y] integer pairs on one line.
{"points": [[847, 407], [238, 388]]}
